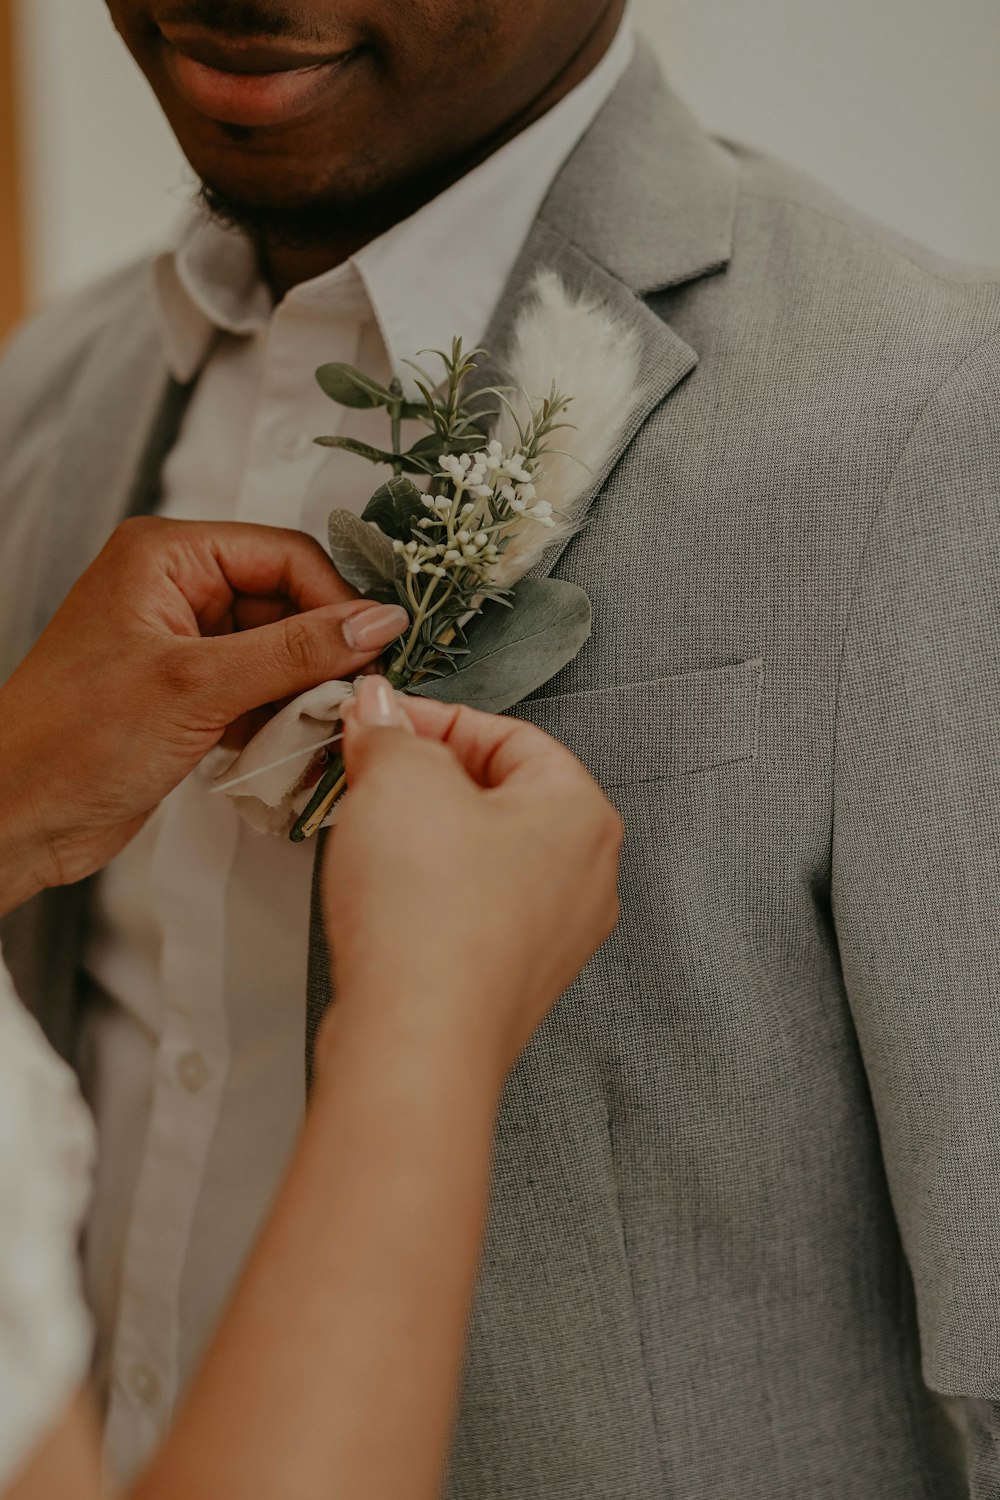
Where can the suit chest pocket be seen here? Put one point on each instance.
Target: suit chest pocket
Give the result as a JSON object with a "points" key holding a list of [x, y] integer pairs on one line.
{"points": [[654, 731]]}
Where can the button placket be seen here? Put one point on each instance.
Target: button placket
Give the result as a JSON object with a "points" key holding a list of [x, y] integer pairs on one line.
{"points": [[199, 834]]}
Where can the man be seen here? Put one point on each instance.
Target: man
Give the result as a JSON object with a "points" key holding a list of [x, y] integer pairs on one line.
{"points": [[745, 1223]]}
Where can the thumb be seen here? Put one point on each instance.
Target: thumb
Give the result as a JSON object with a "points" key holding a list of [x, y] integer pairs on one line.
{"points": [[252, 667], [375, 726], [377, 732]]}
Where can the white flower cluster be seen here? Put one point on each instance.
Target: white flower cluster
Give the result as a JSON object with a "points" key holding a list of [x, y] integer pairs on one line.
{"points": [[490, 495]]}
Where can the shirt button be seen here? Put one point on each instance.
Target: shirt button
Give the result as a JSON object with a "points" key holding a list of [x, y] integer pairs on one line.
{"points": [[192, 1070], [143, 1384]]}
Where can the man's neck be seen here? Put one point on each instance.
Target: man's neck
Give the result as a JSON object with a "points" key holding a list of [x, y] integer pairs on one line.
{"points": [[286, 266]]}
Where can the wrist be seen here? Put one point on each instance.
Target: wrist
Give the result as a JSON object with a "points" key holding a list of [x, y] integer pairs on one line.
{"points": [[401, 1022], [22, 856], [24, 851]]}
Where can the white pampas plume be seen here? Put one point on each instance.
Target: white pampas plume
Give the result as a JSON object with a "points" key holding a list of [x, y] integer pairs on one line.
{"points": [[578, 345]]}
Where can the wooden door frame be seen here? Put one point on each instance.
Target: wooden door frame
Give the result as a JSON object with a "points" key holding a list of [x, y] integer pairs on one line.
{"points": [[12, 235]]}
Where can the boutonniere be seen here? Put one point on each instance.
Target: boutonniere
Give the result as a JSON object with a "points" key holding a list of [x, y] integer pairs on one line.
{"points": [[472, 506]]}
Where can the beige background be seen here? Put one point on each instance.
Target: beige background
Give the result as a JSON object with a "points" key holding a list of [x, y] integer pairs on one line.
{"points": [[894, 103]]}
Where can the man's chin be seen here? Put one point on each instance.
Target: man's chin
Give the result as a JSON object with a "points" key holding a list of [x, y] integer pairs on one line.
{"points": [[302, 226]]}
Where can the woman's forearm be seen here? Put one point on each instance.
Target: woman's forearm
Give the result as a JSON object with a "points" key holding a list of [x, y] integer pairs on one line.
{"points": [[335, 1370]]}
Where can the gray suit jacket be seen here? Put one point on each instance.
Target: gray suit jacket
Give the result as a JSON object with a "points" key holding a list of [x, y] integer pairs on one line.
{"points": [[747, 1202]]}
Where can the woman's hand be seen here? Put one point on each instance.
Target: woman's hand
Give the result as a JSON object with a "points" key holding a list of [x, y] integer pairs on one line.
{"points": [[176, 631], [472, 874]]}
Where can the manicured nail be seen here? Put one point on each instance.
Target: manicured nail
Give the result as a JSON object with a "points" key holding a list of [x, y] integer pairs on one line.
{"points": [[375, 704], [371, 629]]}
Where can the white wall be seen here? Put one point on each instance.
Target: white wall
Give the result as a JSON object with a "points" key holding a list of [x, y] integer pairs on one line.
{"points": [[891, 102]]}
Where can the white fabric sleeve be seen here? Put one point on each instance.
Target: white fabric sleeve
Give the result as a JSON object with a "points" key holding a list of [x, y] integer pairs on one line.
{"points": [[46, 1165]]}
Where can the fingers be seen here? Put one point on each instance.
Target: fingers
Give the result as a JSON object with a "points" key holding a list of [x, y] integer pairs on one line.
{"points": [[237, 673], [191, 576], [265, 562], [377, 733], [491, 749]]}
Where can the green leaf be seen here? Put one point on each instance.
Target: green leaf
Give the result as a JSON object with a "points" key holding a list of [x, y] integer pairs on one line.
{"points": [[395, 508], [514, 651], [380, 456], [430, 448], [363, 450], [348, 387], [362, 555]]}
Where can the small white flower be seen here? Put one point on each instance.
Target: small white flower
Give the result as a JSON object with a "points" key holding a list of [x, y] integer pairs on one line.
{"points": [[470, 551], [398, 546], [423, 524], [541, 510], [517, 506], [528, 492], [467, 510], [508, 493], [451, 556], [464, 537], [466, 462], [412, 566], [482, 537], [410, 547], [495, 449]]}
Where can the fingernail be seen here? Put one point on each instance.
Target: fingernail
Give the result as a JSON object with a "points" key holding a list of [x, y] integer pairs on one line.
{"points": [[371, 629], [375, 704]]}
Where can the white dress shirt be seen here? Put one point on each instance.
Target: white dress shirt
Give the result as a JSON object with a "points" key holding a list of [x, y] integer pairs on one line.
{"points": [[46, 1158], [197, 958]]}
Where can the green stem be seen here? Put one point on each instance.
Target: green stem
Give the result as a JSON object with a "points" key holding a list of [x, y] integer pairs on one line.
{"points": [[396, 417], [398, 677], [333, 773]]}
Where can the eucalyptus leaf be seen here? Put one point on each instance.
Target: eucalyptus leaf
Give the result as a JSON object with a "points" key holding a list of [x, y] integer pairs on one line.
{"points": [[514, 651], [362, 555], [348, 387], [395, 508]]}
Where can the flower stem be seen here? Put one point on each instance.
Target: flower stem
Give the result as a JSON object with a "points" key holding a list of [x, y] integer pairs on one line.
{"points": [[333, 782]]}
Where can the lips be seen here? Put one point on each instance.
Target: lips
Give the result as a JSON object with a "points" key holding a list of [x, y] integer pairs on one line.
{"points": [[248, 82]]}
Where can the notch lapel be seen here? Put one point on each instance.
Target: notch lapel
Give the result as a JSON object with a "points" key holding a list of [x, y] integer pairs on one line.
{"points": [[664, 358], [123, 418], [645, 202]]}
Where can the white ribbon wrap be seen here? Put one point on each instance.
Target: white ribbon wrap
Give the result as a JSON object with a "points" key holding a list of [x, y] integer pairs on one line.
{"points": [[264, 781]]}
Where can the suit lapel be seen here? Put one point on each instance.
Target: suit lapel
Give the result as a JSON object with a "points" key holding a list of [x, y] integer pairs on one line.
{"points": [[665, 359], [645, 203], [123, 419], [124, 415]]}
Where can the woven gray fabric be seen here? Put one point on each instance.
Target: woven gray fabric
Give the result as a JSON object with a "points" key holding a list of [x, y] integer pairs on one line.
{"points": [[319, 981], [745, 1210]]}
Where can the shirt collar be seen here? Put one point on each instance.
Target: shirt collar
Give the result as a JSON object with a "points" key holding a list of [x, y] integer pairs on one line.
{"points": [[421, 293]]}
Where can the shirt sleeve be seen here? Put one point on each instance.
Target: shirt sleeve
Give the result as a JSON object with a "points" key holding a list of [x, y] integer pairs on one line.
{"points": [[46, 1165], [916, 878]]}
